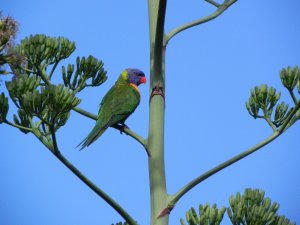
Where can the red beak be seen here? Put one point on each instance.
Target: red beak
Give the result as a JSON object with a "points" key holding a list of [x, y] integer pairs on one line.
{"points": [[143, 80]]}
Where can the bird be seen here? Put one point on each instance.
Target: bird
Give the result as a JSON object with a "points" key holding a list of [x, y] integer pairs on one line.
{"points": [[117, 104]]}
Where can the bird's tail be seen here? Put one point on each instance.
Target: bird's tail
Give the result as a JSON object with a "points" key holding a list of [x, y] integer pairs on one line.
{"points": [[93, 136]]}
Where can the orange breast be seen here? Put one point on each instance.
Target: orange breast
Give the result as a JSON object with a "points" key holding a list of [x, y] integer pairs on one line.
{"points": [[135, 87]]}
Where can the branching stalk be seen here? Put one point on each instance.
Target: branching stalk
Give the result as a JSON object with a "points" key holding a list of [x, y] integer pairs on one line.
{"points": [[293, 97], [53, 136], [43, 75], [158, 43], [213, 3], [289, 120], [158, 190], [85, 113], [135, 136], [175, 198], [267, 118], [220, 9], [85, 180], [53, 69], [17, 126]]}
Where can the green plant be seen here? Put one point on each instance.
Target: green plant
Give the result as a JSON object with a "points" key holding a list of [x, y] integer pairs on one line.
{"points": [[250, 208], [253, 208], [207, 215], [44, 107]]}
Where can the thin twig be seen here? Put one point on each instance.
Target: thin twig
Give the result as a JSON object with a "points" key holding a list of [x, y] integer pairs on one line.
{"points": [[27, 70], [295, 100], [134, 135], [43, 75], [127, 131], [175, 198], [221, 8], [213, 3], [97, 190], [288, 121], [85, 113], [18, 126], [271, 124], [55, 150], [53, 136], [53, 68]]}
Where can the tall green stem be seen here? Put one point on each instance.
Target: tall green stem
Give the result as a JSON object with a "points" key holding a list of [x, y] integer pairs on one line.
{"points": [[156, 164]]}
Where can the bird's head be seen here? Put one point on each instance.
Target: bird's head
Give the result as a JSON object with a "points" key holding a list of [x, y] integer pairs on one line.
{"points": [[134, 76]]}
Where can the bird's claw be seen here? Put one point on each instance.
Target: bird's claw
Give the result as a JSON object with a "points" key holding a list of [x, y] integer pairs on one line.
{"points": [[123, 127]]}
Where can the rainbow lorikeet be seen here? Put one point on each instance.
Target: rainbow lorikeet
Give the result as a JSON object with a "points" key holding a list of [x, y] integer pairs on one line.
{"points": [[118, 104]]}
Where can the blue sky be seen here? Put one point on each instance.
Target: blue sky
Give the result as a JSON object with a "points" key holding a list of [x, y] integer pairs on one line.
{"points": [[209, 73]]}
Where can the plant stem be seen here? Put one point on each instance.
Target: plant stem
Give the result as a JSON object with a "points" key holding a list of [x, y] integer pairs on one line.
{"points": [[289, 120], [288, 123], [85, 113], [53, 136], [54, 149], [293, 96], [135, 136], [175, 198], [213, 3], [267, 118], [53, 69], [96, 189], [221, 8], [43, 75], [158, 193], [158, 43], [18, 126]]}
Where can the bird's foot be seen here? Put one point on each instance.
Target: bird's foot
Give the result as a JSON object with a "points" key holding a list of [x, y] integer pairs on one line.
{"points": [[121, 127]]}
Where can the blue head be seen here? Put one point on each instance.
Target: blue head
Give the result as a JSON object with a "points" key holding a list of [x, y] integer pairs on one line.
{"points": [[135, 76]]}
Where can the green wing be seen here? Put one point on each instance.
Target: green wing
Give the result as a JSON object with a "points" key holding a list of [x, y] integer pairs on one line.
{"points": [[119, 103]]}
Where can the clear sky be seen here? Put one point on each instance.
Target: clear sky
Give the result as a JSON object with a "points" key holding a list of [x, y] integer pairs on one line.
{"points": [[209, 73]]}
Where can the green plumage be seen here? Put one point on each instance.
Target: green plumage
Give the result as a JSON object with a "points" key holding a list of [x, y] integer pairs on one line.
{"points": [[119, 103]]}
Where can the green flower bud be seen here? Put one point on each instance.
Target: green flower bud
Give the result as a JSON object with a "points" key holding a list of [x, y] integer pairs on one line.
{"points": [[263, 94], [3, 107], [213, 215], [289, 77], [266, 203], [22, 120], [260, 195], [274, 207], [70, 68], [221, 214], [191, 219], [182, 221], [281, 113], [252, 208], [232, 201], [229, 213], [77, 62], [18, 87], [270, 216], [86, 68], [40, 49], [282, 220], [64, 74]]}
